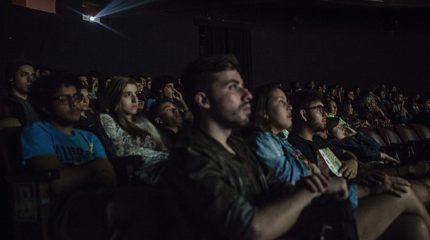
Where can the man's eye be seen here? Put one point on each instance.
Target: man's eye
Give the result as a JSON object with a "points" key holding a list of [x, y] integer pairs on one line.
{"points": [[232, 86]]}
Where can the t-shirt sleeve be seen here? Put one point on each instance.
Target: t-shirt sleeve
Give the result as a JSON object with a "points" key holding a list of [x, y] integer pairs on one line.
{"points": [[99, 150], [35, 141]]}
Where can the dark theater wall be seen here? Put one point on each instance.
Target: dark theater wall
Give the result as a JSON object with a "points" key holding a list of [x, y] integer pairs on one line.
{"points": [[344, 50], [150, 43], [350, 46]]}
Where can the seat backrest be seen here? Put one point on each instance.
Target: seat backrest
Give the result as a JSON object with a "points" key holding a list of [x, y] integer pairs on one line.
{"points": [[389, 135], [406, 133], [10, 151], [374, 135], [423, 131]]}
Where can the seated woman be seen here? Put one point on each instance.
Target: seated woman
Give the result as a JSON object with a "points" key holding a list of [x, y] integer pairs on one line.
{"points": [[378, 208], [369, 150], [132, 135], [373, 114], [364, 147], [351, 117], [88, 116]]}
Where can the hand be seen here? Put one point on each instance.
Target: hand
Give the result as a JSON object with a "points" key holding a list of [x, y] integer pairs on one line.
{"points": [[316, 183], [177, 95], [395, 185], [338, 186], [349, 131], [388, 159], [314, 168], [349, 169]]}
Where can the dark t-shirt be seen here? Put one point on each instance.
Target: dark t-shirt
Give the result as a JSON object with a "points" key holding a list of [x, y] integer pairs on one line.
{"points": [[15, 107], [310, 148]]}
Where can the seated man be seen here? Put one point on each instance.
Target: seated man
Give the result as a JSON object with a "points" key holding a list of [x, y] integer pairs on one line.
{"points": [[219, 184], [169, 121], [378, 207], [14, 105], [86, 176]]}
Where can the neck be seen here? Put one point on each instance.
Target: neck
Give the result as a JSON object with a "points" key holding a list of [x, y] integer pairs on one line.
{"points": [[304, 132], [275, 130], [19, 94], [173, 129], [129, 117], [67, 129], [216, 131]]}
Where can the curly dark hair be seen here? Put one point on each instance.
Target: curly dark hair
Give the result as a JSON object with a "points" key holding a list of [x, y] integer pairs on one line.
{"points": [[44, 89]]}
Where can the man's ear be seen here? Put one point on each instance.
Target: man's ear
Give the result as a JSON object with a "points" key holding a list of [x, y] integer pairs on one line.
{"points": [[304, 115], [202, 100]]}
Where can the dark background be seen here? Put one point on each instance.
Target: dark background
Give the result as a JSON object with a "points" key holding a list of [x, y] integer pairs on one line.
{"points": [[325, 42]]}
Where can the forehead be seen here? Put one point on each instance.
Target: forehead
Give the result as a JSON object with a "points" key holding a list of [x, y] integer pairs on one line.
{"points": [[167, 105], [226, 76], [130, 87], [277, 93], [84, 91], [25, 68], [316, 103], [66, 90]]}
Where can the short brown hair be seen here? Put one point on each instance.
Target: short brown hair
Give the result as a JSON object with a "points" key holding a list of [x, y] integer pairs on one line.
{"points": [[198, 76]]}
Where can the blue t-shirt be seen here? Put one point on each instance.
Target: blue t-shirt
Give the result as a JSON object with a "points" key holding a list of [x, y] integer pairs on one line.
{"points": [[42, 138]]}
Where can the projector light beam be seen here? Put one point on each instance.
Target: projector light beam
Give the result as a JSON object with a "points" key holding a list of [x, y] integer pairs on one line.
{"points": [[121, 5]]}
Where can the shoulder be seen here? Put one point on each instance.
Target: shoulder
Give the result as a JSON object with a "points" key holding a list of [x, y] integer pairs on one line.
{"points": [[85, 134], [38, 127], [105, 117]]}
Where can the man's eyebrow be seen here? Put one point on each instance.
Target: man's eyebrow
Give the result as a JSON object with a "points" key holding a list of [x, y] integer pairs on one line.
{"points": [[232, 81]]}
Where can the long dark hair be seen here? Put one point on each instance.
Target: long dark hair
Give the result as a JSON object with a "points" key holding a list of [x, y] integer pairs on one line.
{"points": [[111, 100]]}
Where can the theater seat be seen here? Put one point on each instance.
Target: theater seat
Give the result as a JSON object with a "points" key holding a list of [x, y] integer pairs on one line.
{"points": [[374, 135], [25, 196], [423, 132], [395, 145], [406, 133]]}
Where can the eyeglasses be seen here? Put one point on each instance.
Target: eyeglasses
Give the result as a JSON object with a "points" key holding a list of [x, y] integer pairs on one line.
{"points": [[67, 99], [320, 108]]}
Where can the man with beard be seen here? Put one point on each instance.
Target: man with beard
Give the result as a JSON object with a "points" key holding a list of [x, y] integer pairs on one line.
{"points": [[14, 105], [309, 118], [220, 186], [86, 177]]}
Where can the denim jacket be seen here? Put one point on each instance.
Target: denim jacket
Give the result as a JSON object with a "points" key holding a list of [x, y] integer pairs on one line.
{"points": [[278, 154], [287, 161]]}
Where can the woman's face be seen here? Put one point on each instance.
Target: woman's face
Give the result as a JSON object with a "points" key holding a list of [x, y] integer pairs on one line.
{"points": [[85, 103], [332, 107], [129, 102], [279, 111], [338, 132], [168, 90]]}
